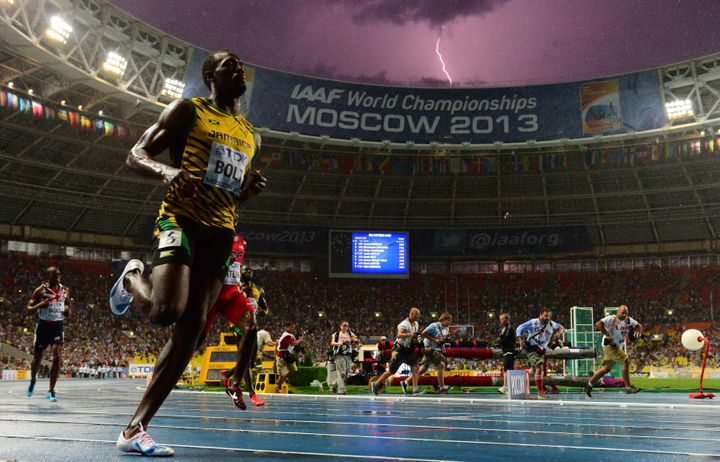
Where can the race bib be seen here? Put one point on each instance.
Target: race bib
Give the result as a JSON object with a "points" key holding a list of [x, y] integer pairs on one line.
{"points": [[233, 275], [226, 168], [56, 307], [170, 238]]}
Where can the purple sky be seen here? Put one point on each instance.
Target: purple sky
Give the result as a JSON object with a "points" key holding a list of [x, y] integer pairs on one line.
{"points": [[485, 42]]}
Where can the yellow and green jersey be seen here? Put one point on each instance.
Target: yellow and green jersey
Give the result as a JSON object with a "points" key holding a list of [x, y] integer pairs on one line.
{"points": [[219, 149]]}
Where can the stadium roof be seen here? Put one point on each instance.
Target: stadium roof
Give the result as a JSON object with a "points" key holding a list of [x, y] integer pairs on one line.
{"points": [[56, 175]]}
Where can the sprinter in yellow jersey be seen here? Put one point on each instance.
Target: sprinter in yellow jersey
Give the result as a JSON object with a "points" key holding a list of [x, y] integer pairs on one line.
{"points": [[211, 148]]}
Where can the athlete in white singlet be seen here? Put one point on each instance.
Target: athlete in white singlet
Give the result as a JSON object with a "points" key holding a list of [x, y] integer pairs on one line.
{"points": [[52, 303]]}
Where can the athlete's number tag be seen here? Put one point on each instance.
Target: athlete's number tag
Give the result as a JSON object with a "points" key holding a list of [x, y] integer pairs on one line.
{"points": [[56, 307], [226, 168], [170, 238]]}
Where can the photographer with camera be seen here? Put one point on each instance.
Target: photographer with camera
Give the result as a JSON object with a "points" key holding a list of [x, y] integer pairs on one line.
{"points": [[535, 335], [433, 353], [344, 343], [403, 352], [616, 329], [286, 355]]}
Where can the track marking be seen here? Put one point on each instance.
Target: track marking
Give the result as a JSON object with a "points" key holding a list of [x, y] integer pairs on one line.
{"points": [[220, 448], [406, 429], [381, 424], [354, 456], [498, 401]]}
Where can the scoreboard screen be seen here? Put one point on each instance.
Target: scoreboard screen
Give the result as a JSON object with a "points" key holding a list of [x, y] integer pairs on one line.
{"points": [[369, 254], [379, 253]]}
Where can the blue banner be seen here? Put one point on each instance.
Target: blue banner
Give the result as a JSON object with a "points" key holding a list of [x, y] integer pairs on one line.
{"points": [[275, 239], [501, 242], [293, 103]]}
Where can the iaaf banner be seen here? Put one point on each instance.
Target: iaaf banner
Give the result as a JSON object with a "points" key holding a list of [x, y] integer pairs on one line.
{"points": [[503, 242], [293, 103], [271, 239]]}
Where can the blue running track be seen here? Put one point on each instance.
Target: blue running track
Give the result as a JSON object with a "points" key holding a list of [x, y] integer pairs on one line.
{"points": [[85, 422]]}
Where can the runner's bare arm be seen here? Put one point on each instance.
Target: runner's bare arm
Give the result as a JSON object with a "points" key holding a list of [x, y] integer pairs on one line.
{"points": [[167, 133], [37, 301]]}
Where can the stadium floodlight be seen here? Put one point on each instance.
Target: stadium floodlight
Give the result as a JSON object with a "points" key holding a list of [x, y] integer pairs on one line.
{"points": [[173, 88], [59, 30], [679, 109], [115, 64]]}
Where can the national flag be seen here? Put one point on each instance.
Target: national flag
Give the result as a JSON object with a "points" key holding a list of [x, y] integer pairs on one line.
{"points": [[85, 123], [655, 152], [73, 118], [490, 164], [50, 112], [109, 128], [264, 157], [455, 165], [384, 166], [37, 110], [13, 101]]}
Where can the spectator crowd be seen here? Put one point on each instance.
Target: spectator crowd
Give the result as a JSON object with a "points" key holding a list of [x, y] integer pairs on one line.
{"points": [[664, 300]]}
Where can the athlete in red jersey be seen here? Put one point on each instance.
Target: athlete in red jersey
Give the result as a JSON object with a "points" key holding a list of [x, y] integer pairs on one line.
{"points": [[235, 307]]}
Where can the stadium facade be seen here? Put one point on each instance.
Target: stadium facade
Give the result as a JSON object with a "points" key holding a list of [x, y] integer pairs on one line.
{"points": [[620, 165]]}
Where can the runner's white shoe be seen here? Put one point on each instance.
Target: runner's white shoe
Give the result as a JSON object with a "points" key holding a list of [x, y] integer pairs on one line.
{"points": [[121, 299], [142, 443]]}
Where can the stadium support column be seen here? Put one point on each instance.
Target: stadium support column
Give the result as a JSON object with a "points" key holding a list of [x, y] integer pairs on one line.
{"points": [[690, 181], [343, 193], [601, 231], [646, 204], [408, 198], [376, 194]]}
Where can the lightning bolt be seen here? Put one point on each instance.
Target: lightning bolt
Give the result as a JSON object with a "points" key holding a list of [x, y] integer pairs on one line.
{"points": [[437, 50]]}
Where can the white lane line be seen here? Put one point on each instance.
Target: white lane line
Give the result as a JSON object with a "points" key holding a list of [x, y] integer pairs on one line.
{"points": [[421, 401], [257, 418], [408, 416], [354, 456], [496, 401], [244, 450], [380, 436], [479, 420]]}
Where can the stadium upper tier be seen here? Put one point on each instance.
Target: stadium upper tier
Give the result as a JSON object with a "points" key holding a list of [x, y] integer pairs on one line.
{"points": [[80, 80]]}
